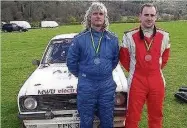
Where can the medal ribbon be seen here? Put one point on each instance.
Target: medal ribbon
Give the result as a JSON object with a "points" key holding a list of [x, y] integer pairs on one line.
{"points": [[148, 46], [93, 43]]}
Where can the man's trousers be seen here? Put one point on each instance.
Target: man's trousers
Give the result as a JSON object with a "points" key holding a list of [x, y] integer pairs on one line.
{"points": [[96, 96], [147, 89]]}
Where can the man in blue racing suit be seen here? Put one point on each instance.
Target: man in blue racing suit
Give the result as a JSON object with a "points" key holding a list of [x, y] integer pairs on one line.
{"points": [[92, 57]]}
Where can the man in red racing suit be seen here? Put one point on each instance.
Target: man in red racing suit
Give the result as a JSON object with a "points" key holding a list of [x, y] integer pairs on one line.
{"points": [[144, 53]]}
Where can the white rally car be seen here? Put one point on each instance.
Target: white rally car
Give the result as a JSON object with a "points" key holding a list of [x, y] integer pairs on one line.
{"points": [[48, 97]]}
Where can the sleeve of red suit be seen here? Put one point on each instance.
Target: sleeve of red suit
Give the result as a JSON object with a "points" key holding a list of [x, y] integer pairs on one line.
{"points": [[166, 53], [124, 54]]}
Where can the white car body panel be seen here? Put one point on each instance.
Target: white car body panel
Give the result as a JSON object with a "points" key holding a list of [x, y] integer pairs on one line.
{"points": [[56, 78]]}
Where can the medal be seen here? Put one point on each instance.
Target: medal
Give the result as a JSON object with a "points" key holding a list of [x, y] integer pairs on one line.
{"points": [[148, 57], [96, 61]]}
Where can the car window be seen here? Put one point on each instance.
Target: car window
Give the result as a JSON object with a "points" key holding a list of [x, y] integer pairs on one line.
{"points": [[14, 25], [57, 51]]}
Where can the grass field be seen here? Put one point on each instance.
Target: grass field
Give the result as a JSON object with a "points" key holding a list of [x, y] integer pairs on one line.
{"points": [[19, 49]]}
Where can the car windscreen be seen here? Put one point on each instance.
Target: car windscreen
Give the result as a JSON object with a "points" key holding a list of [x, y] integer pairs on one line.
{"points": [[57, 51]]}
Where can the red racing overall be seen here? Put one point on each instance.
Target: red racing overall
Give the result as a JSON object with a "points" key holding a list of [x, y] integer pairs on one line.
{"points": [[144, 58]]}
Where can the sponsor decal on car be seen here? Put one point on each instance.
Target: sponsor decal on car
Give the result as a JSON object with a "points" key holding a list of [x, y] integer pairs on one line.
{"points": [[57, 91]]}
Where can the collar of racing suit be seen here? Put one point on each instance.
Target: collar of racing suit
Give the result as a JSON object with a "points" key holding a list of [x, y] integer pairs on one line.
{"points": [[147, 32]]}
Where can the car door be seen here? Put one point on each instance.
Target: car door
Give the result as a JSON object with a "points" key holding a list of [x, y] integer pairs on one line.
{"points": [[15, 27]]}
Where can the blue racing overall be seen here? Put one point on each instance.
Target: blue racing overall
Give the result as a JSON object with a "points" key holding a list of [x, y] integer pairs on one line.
{"points": [[92, 57]]}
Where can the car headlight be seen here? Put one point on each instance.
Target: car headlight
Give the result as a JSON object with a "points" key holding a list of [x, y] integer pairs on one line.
{"points": [[30, 103], [120, 99]]}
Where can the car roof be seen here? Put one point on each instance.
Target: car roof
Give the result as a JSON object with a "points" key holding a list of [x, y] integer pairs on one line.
{"points": [[62, 36]]}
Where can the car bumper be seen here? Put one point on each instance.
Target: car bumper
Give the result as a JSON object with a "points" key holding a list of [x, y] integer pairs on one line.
{"points": [[66, 119], [65, 123]]}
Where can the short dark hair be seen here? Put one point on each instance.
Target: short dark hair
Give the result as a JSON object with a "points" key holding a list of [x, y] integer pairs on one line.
{"points": [[147, 5]]}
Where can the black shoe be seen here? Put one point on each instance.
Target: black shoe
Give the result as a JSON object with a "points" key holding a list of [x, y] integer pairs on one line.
{"points": [[182, 96], [183, 89]]}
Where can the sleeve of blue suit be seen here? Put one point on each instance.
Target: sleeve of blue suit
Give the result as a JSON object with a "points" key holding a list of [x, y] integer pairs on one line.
{"points": [[116, 54], [73, 58]]}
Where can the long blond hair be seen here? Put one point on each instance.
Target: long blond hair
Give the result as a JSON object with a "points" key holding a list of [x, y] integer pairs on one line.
{"points": [[96, 6]]}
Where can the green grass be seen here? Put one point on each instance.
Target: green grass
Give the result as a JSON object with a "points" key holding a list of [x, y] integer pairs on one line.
{"points": [[19, 49]]}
